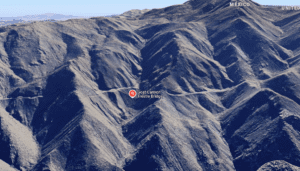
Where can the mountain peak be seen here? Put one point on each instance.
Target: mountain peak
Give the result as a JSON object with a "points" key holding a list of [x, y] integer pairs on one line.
{"points": [[194, 8]]}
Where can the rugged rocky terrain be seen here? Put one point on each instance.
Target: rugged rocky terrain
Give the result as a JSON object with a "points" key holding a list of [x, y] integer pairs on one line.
{"points": [[229, 79]]}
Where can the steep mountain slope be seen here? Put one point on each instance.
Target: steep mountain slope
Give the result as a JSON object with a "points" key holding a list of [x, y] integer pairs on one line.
{"points": [[278, 165], [228, 78]]}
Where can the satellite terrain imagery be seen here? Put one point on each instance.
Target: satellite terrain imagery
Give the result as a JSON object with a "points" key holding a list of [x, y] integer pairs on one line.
{"points": [[207, 85]]}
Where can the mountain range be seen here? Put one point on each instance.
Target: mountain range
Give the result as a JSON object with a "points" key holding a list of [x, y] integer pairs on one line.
{"points": [[45, 16], [5, 21], [228, 78]]}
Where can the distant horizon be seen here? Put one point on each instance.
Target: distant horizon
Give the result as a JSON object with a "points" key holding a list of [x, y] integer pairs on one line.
{"points": [[91, 8], [27, 15], [46, 16]]}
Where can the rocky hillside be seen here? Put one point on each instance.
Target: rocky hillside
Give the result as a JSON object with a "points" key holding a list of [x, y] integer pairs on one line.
{"points": [[228, 79]]}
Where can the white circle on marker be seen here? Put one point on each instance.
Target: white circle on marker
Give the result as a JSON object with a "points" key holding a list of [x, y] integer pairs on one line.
{"points": [[132, 93]]}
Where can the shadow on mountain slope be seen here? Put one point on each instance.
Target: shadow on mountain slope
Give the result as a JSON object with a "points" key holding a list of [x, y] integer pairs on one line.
{"points": [[262, 129]]}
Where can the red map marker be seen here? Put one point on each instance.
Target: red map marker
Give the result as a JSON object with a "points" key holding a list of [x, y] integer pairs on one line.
{"points": [[132, 93]]}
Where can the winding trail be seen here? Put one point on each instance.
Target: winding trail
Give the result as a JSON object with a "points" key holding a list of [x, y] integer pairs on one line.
{"points": [[20, 97]]}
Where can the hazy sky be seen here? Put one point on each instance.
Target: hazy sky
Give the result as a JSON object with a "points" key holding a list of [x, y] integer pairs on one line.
{"points": [[9, 8]]}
